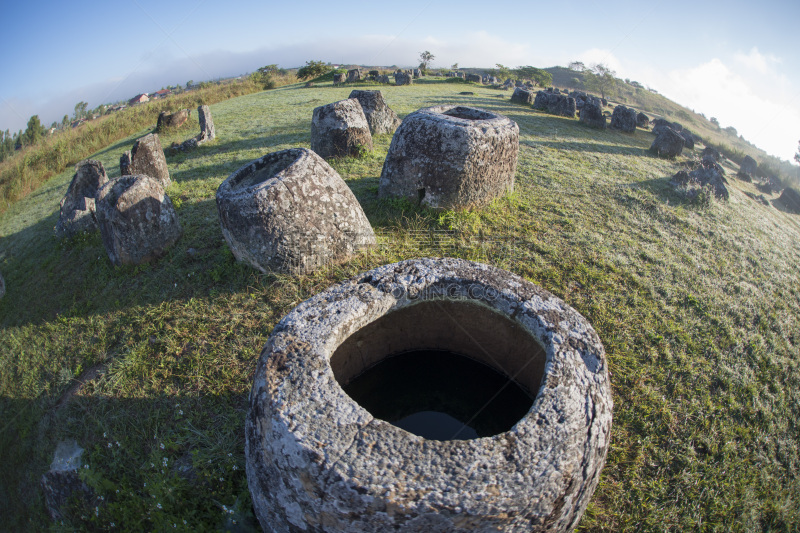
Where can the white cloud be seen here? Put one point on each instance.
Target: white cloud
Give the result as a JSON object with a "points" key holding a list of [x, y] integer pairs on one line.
{"points": [[601, 56], [738, 98], [470, 49], [757, 61]]}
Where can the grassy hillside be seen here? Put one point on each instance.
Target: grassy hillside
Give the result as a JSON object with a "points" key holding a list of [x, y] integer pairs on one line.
{"points": [[656, 105], [149, 367]]}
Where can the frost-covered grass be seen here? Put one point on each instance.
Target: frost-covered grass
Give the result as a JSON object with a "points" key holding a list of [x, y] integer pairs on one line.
{"points": [[698, 308]]}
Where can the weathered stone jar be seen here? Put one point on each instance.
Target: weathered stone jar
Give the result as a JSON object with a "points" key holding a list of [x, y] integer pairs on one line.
{"points": [[137, 220], [451, 156], [291, 212], [319, 461]]}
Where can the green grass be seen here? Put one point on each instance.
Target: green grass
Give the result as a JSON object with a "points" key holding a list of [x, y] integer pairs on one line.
{"points": [[697, 307]]}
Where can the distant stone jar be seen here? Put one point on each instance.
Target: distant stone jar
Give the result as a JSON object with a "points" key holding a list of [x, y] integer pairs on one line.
{"points": [[451, 156], [592, 115], [290, 212], [668, 143], [137, 220], [172, 120], [522, 96], [317, 460], [77, 208], [624, 119], [340, 129], [146, 157], [380, 117]]}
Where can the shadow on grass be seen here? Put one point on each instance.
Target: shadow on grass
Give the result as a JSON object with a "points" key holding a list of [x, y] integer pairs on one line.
{"points": [[202, 446], [47, 278], [233, 160], [778, 204], [575, 146]]}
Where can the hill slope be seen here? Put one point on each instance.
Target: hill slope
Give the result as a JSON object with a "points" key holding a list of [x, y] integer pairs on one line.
{"points": [[656, 105], [149, 368]]}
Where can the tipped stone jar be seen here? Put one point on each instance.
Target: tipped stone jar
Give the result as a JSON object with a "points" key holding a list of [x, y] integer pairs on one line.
{"points": [[291, 212], [451, 156]]}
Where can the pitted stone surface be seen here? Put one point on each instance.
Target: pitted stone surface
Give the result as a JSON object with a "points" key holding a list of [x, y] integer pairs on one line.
{"points": [[688, 139], [77, 208], [790, 198], [318, 461], [289, 211], [403, 78], [354, 75], [522, 96], [62, 483], [137, 220], [340, 129], [451, 156], [668, 143], [624, 119], [748, 168], [147, 157], [592, 115], [172, 120], [380, 117], [125, 163], [207, 130], [552, 101]]}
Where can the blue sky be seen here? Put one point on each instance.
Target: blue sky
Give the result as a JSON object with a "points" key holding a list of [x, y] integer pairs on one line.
{"points": [[736, 61]]}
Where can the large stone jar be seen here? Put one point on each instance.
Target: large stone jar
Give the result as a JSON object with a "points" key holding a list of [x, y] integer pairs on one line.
{"points": [[451, 156], [319, 461], [291, 212]]}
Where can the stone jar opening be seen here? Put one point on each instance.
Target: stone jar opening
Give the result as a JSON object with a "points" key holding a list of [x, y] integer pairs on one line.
{"points": [[442, 369], [263, 170], [469, 113]]}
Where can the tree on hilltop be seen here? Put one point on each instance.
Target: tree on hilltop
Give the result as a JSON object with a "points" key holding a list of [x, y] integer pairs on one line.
{"points": [[600, 78], [797, 155], [34, 132], [540, 77], [80, 110], [425, 59], [502, 71], [577, 66]]}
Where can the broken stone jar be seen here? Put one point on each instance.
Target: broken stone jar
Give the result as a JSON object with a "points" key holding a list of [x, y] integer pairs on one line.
{"points": [[318, 460]]}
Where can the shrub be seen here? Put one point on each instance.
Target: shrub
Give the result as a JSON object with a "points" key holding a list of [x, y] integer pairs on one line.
{"points": [[313, 69]]}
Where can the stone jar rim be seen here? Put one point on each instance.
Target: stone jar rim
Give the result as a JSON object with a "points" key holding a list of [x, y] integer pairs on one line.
{"points": [[553, 444], [232, 185], [488, 118]]}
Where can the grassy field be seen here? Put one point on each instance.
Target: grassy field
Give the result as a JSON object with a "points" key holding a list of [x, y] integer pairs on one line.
{"points": [[149, 367]]}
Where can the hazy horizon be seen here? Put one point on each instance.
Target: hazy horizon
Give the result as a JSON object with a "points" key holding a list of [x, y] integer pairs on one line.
{"points": [[732, 63]]}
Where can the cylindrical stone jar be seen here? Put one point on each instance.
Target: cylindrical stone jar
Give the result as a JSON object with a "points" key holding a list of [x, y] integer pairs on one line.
{"points": [[319, 461], [451, 156]]}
